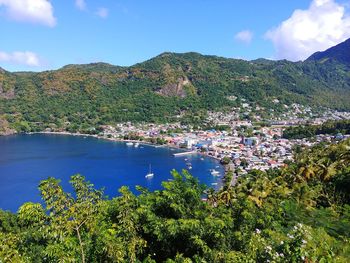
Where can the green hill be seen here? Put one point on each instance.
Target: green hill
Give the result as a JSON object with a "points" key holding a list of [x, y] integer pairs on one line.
{"points": [[165, 86], [339, 53]]}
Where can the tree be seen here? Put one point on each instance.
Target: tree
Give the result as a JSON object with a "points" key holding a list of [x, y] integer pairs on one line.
{"points": [[68, 215], [225, 160], [278, 215]]}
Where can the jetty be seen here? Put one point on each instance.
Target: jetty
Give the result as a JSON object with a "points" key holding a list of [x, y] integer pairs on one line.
{"points": [[184, 153]]}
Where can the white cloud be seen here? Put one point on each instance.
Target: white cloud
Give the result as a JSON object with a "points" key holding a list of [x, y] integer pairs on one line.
{"points": [[323, 25], [102, 12], [34, 11], [80, 4], [21, 58], [245, 36]]}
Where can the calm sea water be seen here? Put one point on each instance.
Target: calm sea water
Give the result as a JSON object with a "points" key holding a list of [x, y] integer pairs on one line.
{"points": [[25, 160]]}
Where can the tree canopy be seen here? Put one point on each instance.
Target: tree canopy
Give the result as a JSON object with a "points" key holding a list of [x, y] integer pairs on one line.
{"points": [[300, 213]]}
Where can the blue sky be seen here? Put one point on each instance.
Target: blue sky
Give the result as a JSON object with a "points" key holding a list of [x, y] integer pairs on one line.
{"points": [[42, 34]]}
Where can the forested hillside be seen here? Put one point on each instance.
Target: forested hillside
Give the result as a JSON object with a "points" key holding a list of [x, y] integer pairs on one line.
{"points": [[168, 85], [300, 213], [308, 131], [339, 53]]}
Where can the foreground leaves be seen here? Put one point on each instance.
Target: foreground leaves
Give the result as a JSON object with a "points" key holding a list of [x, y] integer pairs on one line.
{"points": [[284, 215]]}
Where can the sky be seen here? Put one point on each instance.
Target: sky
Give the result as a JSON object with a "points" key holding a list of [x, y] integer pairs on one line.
{"points": [[41, 35]]}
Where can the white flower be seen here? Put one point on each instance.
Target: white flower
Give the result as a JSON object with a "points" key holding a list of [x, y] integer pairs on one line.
{"points": [[281, 255], [290, 236], [282, 242], [304, 241], [258, 231], [268, 248]]}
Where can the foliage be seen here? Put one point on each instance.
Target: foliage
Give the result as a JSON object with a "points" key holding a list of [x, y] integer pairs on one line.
{"points": [[82, 97], [308, 131], [225, 160], [300, 213]]}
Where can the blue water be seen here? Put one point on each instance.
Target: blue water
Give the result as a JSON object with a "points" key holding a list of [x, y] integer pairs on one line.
{"points": [[25, 160]]}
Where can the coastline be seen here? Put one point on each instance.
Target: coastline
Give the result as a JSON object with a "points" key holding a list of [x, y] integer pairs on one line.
{"points": [[171, 146], [140, 142]]}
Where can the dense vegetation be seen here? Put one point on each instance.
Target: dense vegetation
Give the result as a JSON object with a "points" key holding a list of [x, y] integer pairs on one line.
{"points": [[308, 131], [300, 213], [80, 97]]}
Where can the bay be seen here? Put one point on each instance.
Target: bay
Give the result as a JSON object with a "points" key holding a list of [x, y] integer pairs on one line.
{"points": [[25, 160]]}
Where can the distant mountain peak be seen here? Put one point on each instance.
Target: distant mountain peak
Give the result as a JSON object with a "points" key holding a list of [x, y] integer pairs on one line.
{"points": [[339, 53]]}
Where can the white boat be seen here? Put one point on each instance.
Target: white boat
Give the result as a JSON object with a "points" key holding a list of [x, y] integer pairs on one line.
{"points": [[150, 174], [136, 144], [129, 144], [214, 183], [214, 172]]}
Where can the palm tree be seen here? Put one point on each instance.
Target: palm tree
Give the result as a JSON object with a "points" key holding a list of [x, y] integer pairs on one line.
{"points": [[212, 197], [226, 193]]}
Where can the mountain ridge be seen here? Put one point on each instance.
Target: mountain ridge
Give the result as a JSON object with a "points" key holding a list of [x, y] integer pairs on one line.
{"points": [[166, 86], [339, 53], [317, 56]]}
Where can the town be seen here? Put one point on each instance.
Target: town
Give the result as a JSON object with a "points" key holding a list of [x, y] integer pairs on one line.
{"points": [[241, 145]]}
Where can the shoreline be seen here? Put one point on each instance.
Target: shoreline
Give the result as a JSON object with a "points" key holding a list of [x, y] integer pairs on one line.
{"points": [[124, 140], [222, 177]]}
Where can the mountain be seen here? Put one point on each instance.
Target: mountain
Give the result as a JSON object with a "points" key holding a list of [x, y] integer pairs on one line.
{"points": [[164, 87], [94, 67], [339, 53]]}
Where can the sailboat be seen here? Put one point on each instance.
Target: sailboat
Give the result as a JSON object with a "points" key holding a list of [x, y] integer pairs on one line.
{"points": [[214, 172], [149, 174]]}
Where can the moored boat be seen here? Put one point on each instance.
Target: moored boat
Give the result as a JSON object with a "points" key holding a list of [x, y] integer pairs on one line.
{"points": [[214, 172], [150, 174]]}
